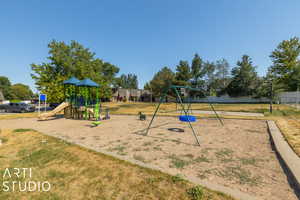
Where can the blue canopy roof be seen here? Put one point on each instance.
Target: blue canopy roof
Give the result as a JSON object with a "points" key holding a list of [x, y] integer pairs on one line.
{"points": [[71, 81], [87, 82]]}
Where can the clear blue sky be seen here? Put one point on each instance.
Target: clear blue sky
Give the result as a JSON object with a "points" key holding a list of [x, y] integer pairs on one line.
{"points": [[141, 36]]}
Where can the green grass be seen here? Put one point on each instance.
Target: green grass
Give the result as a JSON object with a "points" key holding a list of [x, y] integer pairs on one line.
{"points": [[201, 159], [224, 155], [196, 193], [15, 101], [240, 175], [177, 178], [177, 162], [249, 161], [20, 130]]}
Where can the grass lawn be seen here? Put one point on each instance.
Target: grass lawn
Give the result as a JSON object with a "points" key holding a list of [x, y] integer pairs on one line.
{"points": [[78, 173]]}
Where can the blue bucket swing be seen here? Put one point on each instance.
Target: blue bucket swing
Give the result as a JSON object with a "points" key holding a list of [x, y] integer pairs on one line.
{"points": [[187, 118]]}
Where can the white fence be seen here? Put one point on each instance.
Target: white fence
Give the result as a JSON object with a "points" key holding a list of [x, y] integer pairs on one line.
{"points": [[228, 99], [290, 98]]}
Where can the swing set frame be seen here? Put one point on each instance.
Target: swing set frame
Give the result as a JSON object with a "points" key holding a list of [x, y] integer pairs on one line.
{"points": [[185, 110]]}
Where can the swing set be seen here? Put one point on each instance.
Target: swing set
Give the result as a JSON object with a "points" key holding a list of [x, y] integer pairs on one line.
{"points": [[186, 112]]}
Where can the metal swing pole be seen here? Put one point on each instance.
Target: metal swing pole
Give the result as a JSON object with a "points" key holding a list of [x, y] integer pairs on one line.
{"points": [[190, 103], [157, 107], [189, 108], [186, 114], [212, 107]]}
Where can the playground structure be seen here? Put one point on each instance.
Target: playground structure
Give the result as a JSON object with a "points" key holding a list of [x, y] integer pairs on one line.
{"points": [[186, 108], [81, 101]]}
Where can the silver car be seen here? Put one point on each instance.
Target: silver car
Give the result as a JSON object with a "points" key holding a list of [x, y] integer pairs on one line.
{"points": [[17, 107]]}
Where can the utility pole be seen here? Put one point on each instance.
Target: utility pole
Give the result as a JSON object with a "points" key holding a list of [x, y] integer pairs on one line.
{"points": [[151, 93], [297, 101], [271, 99]]}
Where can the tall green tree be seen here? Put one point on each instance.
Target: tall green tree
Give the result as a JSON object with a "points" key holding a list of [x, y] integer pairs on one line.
{"points": [[209, 69], [197, 72], [162, 80], [183, 73], [5, 85], [129, 81], [244, 78], [222, 73], [286, 64], [21, 92], [222, 77], [66, 60], [269, 85], [17, 91], [147, 86]]}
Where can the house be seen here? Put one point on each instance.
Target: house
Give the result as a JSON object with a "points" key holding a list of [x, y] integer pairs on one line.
{"points": [[122, 94]]}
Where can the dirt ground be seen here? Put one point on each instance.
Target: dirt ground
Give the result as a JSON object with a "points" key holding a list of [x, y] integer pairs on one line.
{"points": [[238, 155]]}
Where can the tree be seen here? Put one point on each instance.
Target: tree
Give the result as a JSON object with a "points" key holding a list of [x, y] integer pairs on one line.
{"points": [[21, 92], [197, 72], [268, 83], [4, 82], [286, 65], [221, 77], [71, 60], [183, 74], [147, 86], [222, 73], [244, 78], [5, 87], [209, 69], [128, 81], [121, 81], [161, 81], [17, 91]]}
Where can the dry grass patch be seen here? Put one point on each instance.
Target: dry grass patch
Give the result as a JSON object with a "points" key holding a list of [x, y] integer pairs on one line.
{"points": [[78, 173], [291, 131], [18, 115]]}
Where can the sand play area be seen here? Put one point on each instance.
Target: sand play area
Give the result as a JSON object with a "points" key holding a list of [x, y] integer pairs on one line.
{"points": [[238, 155]]}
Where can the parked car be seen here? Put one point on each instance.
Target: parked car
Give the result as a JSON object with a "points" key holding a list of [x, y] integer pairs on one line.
{"points": [[2, 107], [17, 107], [53, 105]]}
